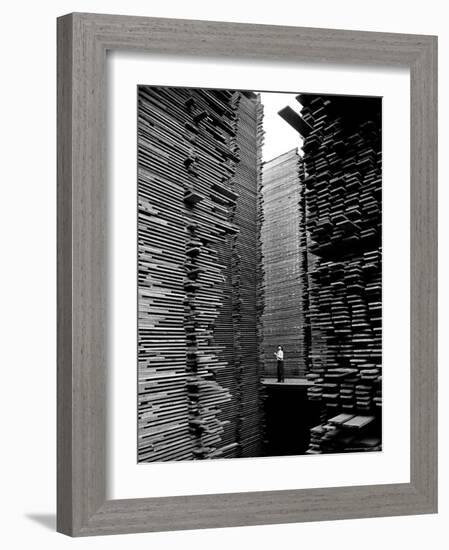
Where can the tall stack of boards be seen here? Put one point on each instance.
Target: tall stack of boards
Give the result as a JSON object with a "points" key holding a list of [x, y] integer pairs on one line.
{"points": [[284, 250], [199, 273], [343, 196]]}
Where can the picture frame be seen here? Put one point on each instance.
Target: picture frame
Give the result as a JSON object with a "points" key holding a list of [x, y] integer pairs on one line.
{"points": [[82, 506]]}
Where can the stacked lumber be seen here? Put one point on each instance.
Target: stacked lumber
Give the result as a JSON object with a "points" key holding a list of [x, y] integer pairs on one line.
{"points": [[195, 295], [342, 161], [245, 254], [284, 258], [236, 328], [345, 433], [345, 314], [260, 261], [163, 405]]}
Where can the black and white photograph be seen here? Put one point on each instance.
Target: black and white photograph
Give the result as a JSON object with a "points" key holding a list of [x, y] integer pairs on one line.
{"points": [[259, 261], [220, 294]]}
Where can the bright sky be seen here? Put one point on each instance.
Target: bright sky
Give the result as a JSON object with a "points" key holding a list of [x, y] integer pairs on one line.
{"points": [[280, 137]]}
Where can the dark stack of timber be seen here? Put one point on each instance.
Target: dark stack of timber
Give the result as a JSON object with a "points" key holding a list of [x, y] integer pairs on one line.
{"points": [[197, 297], [284, 256], [342, 160]]}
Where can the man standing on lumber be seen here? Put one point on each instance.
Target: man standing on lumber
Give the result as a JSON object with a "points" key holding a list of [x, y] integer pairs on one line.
{"points": [[279, 354]]}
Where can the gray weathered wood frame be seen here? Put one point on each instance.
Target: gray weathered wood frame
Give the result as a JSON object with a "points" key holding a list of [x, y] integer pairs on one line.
{"points": [[83, 40]]}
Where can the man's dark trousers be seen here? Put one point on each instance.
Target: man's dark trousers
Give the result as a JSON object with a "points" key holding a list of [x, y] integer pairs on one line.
{"points": [[280, 371]]}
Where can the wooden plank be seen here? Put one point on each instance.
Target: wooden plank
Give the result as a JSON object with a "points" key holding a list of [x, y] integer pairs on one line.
{"points": [[358, 422]]}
